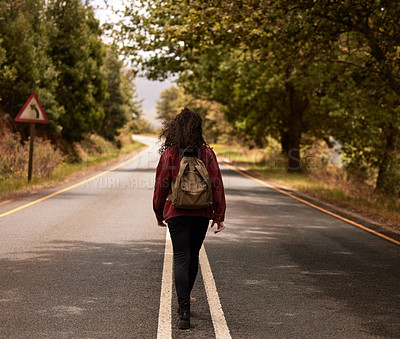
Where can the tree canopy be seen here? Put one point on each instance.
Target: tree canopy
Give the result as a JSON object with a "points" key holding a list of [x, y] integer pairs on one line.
{"points": [[288, 69], [55, 48], [174, 99]]}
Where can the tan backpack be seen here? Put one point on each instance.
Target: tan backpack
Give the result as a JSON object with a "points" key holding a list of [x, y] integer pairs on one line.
{"points": [[192, 188]]}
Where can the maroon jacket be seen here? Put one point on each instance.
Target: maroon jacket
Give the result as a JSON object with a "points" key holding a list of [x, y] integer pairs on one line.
{"points": [[167, 171]]}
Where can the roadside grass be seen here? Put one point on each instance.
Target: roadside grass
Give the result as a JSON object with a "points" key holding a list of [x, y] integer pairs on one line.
{"points": [[16, 185], [327, 184], [64, 170]]}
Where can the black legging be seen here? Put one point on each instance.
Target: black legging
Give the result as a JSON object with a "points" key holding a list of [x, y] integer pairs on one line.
{"points": [[187, 235]]}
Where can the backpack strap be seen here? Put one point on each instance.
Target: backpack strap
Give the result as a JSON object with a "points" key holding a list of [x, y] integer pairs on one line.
{"points": [[202, 170], [176, 182]]}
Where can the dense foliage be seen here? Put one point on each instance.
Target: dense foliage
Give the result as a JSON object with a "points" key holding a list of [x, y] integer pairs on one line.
{"points": [[291, 69], [174, 99], [55, 48]]}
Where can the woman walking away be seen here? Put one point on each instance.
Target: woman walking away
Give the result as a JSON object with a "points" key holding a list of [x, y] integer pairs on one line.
{"points": [[183, 140]]}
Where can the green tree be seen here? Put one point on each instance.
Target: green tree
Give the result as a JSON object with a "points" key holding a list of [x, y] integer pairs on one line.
{"points": [[367, 34], [280, 68], [118, 106], [171, 101], [242, 54], [132, 105], [77, 54], [24, 62], [174, 99], [140, 126]]}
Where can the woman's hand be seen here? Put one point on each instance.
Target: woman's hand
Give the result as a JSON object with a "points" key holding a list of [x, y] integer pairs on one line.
{"points": [[220, 226], [161, 224]]}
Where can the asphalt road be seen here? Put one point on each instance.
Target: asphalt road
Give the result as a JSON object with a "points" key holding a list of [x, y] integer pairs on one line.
{"points": [[88, 263]]}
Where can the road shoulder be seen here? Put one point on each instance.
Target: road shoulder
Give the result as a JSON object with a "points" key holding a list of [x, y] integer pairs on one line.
{"points": [[367, 221], [84, 172]]}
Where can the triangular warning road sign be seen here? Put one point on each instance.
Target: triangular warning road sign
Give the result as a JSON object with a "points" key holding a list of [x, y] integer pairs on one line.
{"points": [[32, 111]]}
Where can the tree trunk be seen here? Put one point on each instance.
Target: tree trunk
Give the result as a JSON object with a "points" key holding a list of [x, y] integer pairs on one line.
{"points": [[383, 180], [298, 103]]}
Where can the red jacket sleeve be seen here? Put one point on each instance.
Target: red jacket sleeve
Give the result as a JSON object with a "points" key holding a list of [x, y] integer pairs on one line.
{"points": [[162, 186], [219, 204]]}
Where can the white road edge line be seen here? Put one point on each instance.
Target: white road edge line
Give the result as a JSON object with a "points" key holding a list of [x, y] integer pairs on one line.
{"points": [[164, 315], [217, 314]]}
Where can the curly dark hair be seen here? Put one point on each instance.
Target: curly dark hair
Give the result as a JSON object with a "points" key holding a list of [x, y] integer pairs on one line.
{"points": [[184, 131]]}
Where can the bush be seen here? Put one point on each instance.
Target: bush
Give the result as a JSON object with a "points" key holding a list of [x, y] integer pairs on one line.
{"points": [[45, 157], [389, 184], [140, 126], [15, 156], [92, 144]]}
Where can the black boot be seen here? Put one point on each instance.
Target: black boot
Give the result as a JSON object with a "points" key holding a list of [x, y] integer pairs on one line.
{"points": [[184, 315]]}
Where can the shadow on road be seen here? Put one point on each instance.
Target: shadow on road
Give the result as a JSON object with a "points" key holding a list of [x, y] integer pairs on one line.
{"points": [[81, 289]]}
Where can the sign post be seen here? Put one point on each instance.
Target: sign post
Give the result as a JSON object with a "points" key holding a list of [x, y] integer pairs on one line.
{"points": [[33, 113]]}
